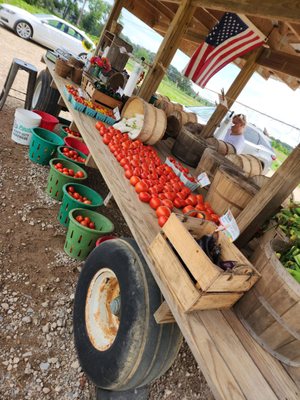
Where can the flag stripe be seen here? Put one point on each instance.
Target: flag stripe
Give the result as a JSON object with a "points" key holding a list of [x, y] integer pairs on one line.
{"points": [[203, 81], [197, 67], [227, 47], [195, 59]]}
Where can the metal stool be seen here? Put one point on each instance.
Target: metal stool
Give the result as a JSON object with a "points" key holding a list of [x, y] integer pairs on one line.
{"points": [[14, 68]]}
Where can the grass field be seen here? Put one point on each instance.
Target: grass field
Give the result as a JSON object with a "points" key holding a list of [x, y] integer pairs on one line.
{"points": [[168, 88], [28, 7], [279, 160]]}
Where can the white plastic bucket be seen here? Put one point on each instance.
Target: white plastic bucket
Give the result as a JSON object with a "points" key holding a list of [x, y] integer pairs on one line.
{"points": [[24, 122]]}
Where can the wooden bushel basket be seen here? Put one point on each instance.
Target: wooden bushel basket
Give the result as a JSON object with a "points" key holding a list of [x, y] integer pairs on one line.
{"points": [[271, 310], [251, 165], [155, 120], [189, 274], [210, 161]]}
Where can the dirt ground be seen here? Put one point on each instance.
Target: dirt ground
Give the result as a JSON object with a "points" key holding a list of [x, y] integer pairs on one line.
{"points": [[37, 279]]}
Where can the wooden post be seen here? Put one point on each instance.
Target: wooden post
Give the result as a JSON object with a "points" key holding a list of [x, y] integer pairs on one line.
{"points": [[269, 198], [167, 49], [113, 16], [232, 93]]}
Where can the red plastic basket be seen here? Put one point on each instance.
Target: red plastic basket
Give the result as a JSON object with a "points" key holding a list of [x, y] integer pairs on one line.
{"points": [[77, 145], [48, 120]]}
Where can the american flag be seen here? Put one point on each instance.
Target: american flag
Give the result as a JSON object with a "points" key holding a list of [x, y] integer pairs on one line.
{"points": [[229, 39]]}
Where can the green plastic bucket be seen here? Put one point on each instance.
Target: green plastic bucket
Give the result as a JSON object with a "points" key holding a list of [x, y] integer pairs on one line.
{"points": [[69, 203], [62, 133], [61, 155], [43, 145], [80, 240], [56, 179]]}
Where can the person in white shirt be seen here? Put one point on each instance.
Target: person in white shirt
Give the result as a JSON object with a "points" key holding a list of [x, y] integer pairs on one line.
{"points": [[235, 134]]}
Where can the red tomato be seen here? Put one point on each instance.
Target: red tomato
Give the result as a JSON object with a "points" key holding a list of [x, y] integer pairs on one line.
{"points": [[188, 209], [79, 174], [162, 196], [179, 203], [71, 172], [99, 125], [199, 198], [91, 225], [76, 195], [192, 200], [200, 215], [163, 211], [215, 218], [155, 202], [87, 219], [145, 197], [134, 180], [79, 218], [71, 189], [141, 187], [128, 173], [168, 203], [87, 202], [170, 195], [59, 165], [162, 220], [200, 207]]}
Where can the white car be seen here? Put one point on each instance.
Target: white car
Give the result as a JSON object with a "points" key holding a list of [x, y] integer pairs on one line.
{"points": [[48, 30], [256, 142]]}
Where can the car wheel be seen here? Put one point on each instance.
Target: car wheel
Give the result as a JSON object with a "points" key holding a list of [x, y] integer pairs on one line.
{"points": [[119, 345], [45, 98], [23, 29], [83, 56]]}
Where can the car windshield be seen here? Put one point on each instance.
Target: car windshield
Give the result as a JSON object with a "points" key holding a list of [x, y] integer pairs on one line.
{"points": [[251, 135], [204, 112]]}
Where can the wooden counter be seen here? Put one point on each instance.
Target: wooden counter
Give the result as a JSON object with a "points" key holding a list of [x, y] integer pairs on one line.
{"points": [[234, 365]]}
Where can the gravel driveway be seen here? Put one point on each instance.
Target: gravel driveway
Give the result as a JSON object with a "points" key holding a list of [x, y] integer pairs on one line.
{"points": [[37, 279]]}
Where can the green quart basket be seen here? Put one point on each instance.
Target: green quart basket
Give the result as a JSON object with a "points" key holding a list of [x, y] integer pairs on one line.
{"points": [[56, 179], [69, 203], [43, 145], [80, 240], [61, 155], [62, 133]]}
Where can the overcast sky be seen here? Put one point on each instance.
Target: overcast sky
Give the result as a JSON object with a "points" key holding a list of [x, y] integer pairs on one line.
{"points": [[271, 97]]}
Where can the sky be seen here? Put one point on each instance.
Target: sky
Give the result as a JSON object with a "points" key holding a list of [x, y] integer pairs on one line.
{"points": [[271, 97]]}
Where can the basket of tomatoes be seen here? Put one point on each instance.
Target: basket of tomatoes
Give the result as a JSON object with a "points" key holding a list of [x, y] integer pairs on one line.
{"points": [[68, 153], [76, 195], [62, 172], [85, 228]]}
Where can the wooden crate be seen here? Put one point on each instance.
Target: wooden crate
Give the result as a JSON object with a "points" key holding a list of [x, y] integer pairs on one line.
{"points": [[195, 281], [98, 97]]}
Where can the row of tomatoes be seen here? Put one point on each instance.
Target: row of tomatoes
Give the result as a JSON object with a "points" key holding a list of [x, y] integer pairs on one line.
{"points": [[155, 182], [68, 171], [85, 221], [72, 154], [77, 196], [72, 133]]}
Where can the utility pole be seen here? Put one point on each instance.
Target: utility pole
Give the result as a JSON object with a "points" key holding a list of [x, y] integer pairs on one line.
{"points": [[81, 12]]}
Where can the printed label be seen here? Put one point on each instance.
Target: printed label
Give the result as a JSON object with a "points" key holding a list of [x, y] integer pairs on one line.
{"points": [[229, 226], [203, 179]]}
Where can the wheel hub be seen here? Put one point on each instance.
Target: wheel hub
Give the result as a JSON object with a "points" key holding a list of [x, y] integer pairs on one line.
{"points": [[23, 30], [102, 309]]}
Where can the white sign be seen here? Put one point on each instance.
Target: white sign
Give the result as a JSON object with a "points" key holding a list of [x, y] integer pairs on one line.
{"points": [[229, 226], [82, 93], [203, 179], [116, 112]]}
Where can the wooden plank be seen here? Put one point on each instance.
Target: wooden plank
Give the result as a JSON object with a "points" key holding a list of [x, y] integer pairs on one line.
{"points": [[53, 84], [215, 301], [276, 376], [163, 315], [170, 270], [61, 102], [218, 370], [265, 203], [89, 162], [193, 256], [167, 49], [280, 61], [288, 10], [233, 92]]}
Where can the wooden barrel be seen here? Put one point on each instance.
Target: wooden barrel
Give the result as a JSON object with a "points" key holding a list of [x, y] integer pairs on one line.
{"points": [[210, 161], [159, 99], [221, 146], [270, 311], [249, 164], [177, 120], [188, 148], [155, 120], [173, 126], [194, 127], [230, 189]]}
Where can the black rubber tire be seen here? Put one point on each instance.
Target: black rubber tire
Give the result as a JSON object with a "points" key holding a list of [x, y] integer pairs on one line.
{"points": [[48, 97], [81, 56], [143, 350], [29, 25]]}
